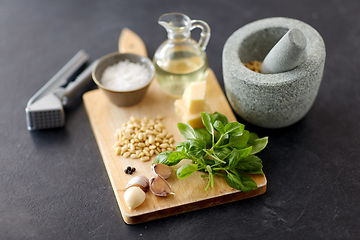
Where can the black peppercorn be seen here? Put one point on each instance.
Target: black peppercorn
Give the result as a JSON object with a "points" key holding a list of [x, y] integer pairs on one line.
{"points": [[129, 170]]}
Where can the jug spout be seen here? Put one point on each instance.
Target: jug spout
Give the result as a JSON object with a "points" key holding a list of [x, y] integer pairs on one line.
{"points": [[177, 25]]}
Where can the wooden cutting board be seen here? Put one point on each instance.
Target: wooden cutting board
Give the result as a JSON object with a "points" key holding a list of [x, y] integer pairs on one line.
{"points": [[105, 118]]}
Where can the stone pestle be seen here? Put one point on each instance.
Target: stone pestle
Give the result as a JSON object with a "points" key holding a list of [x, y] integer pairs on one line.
{"points": [[288, 53]]}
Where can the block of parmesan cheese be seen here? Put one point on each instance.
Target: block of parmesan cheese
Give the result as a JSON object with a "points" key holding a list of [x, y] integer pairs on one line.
{"points": [[194, 120], [194, 97]]}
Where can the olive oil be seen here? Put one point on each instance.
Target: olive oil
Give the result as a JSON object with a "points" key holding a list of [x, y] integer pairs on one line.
{"points": [[180, 69], [180, 60]]}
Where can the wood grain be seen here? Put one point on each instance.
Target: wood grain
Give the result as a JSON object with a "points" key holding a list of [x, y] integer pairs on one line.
{"points": [[105, 118]]}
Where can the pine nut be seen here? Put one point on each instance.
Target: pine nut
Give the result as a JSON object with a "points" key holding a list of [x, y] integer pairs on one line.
{"points": [[117, 144], [160, 135], [132, 147], [151, 139], [129, 130], [145, 158], [127, 135], [164, 145], [146, 152], [158, 128], [142, 137], [117, 150], [152, 151], [149, 132], [123, 149]]}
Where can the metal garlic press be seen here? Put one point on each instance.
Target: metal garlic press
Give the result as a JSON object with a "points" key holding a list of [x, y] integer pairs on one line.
{"points": [[45, 108]]}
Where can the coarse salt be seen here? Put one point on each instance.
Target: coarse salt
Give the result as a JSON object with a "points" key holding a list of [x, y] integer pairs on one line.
{"points": [[125, 76]]}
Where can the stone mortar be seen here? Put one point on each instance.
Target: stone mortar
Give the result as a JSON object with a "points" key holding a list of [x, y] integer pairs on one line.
{"points": [[271, 100]]}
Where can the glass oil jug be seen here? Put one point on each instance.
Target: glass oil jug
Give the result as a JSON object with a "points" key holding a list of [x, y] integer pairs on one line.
{"points": [[180, 60]]}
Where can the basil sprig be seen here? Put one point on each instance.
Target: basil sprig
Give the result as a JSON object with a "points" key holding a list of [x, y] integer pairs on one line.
{"points": [[222, 148]]}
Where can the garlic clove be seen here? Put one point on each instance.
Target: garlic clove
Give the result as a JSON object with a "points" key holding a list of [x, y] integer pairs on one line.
{"points": [[134, 197], [159, 186], [163, 170], [139, 181]]}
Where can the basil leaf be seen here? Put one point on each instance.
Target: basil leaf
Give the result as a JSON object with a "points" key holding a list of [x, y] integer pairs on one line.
{"points": [[176, 157], [199, 143], [240, 181], [195, 147], [180, 146], [233, 181], [245, 152], [234, 158], [220, 117], [259, 145], [219, 126], [163, 158], [186, 131], [207, 121], [252, 138], [248, 183], [223, 153], [240, 140], [186, 170], [202, 134], [249, 163], [217, 136], [209, 161], [231, 127], [237, 155]]}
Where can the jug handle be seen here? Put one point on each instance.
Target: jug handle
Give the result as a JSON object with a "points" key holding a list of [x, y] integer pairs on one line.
{"points": [[205, 32]]}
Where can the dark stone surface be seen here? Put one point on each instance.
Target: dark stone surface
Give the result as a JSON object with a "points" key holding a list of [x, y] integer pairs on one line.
{"points": [[54, 184]]}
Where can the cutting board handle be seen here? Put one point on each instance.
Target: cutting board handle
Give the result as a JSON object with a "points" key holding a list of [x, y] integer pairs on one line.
{"points": [[130, 42]]}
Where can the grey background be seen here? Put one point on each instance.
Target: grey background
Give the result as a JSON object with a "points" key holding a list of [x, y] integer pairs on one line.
{"points": [[53, 183]]}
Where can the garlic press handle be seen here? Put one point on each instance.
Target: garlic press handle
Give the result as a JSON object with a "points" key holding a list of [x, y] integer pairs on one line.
{"points": [[65, 94], [60, 77]]}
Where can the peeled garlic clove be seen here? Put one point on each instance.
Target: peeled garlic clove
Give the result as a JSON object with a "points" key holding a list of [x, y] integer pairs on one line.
{"points": [[134, 197], [163, 170], [159, 186], [139, 181]]}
